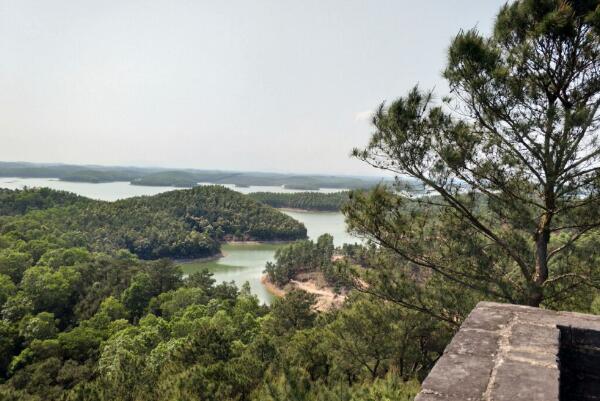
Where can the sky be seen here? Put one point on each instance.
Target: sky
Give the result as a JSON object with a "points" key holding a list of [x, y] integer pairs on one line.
{"points": [[250, 85]]}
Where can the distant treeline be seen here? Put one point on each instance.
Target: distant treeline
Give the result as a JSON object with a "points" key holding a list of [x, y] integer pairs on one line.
{"points": [[97, 176], [73, 173], [179, 178], [303, 200], [176, 224]]}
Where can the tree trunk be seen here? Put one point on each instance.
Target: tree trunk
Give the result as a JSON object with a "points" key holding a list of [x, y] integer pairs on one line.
{"points": [[540, 275]]}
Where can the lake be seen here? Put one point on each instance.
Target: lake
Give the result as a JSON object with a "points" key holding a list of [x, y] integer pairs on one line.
{"points": [[111, 191], [264, 188], [246, 262], [240, 262]]}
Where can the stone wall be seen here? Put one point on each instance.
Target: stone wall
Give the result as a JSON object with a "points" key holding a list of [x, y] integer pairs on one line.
{"points": [[513, 353]]}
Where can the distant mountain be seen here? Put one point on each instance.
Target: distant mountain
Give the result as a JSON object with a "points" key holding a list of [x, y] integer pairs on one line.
{"points": [[182, 177]]}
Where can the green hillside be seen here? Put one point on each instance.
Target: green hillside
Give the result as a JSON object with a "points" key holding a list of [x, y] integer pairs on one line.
{"points": [[177, 224]]}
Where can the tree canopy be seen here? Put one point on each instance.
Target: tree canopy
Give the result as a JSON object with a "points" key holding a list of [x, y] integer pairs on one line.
{"points": [[179, 224], [511, 154]]}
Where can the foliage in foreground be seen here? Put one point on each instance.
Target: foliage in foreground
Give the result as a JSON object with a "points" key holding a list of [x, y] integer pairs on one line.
{"points": [[76, 324], [88, 326]]}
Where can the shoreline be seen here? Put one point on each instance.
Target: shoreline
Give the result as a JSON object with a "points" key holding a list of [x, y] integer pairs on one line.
{"points": [[204, 259], [254, 242], [292, 209], [326, 298], [222, 253], [271, 287]]}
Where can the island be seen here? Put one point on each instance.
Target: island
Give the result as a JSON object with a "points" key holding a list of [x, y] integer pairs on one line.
{"points": [[317, 201]]}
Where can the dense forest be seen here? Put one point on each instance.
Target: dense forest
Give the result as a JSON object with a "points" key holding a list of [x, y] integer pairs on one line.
{"points": [[78, 324], [178, 224], [327, 202], [14, 203], [180, 178]]}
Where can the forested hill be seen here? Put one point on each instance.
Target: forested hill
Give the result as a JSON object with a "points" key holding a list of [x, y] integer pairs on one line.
{"points": [[221, 211], [26, 200], [178, 224], [303, 200]]}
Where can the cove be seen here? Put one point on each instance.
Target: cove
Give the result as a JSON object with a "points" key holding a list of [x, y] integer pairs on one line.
{"points": [[246, 262]]}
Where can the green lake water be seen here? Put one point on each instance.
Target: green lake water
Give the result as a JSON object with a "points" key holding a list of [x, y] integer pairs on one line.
{"points": [[246, 262], [240, 262]]}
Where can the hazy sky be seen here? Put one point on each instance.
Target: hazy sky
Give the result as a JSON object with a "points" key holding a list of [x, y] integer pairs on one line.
{"points": [[257, 85]]}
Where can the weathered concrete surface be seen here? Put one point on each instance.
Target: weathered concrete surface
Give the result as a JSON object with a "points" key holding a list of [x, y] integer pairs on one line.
{"points": [[503, 353]]}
